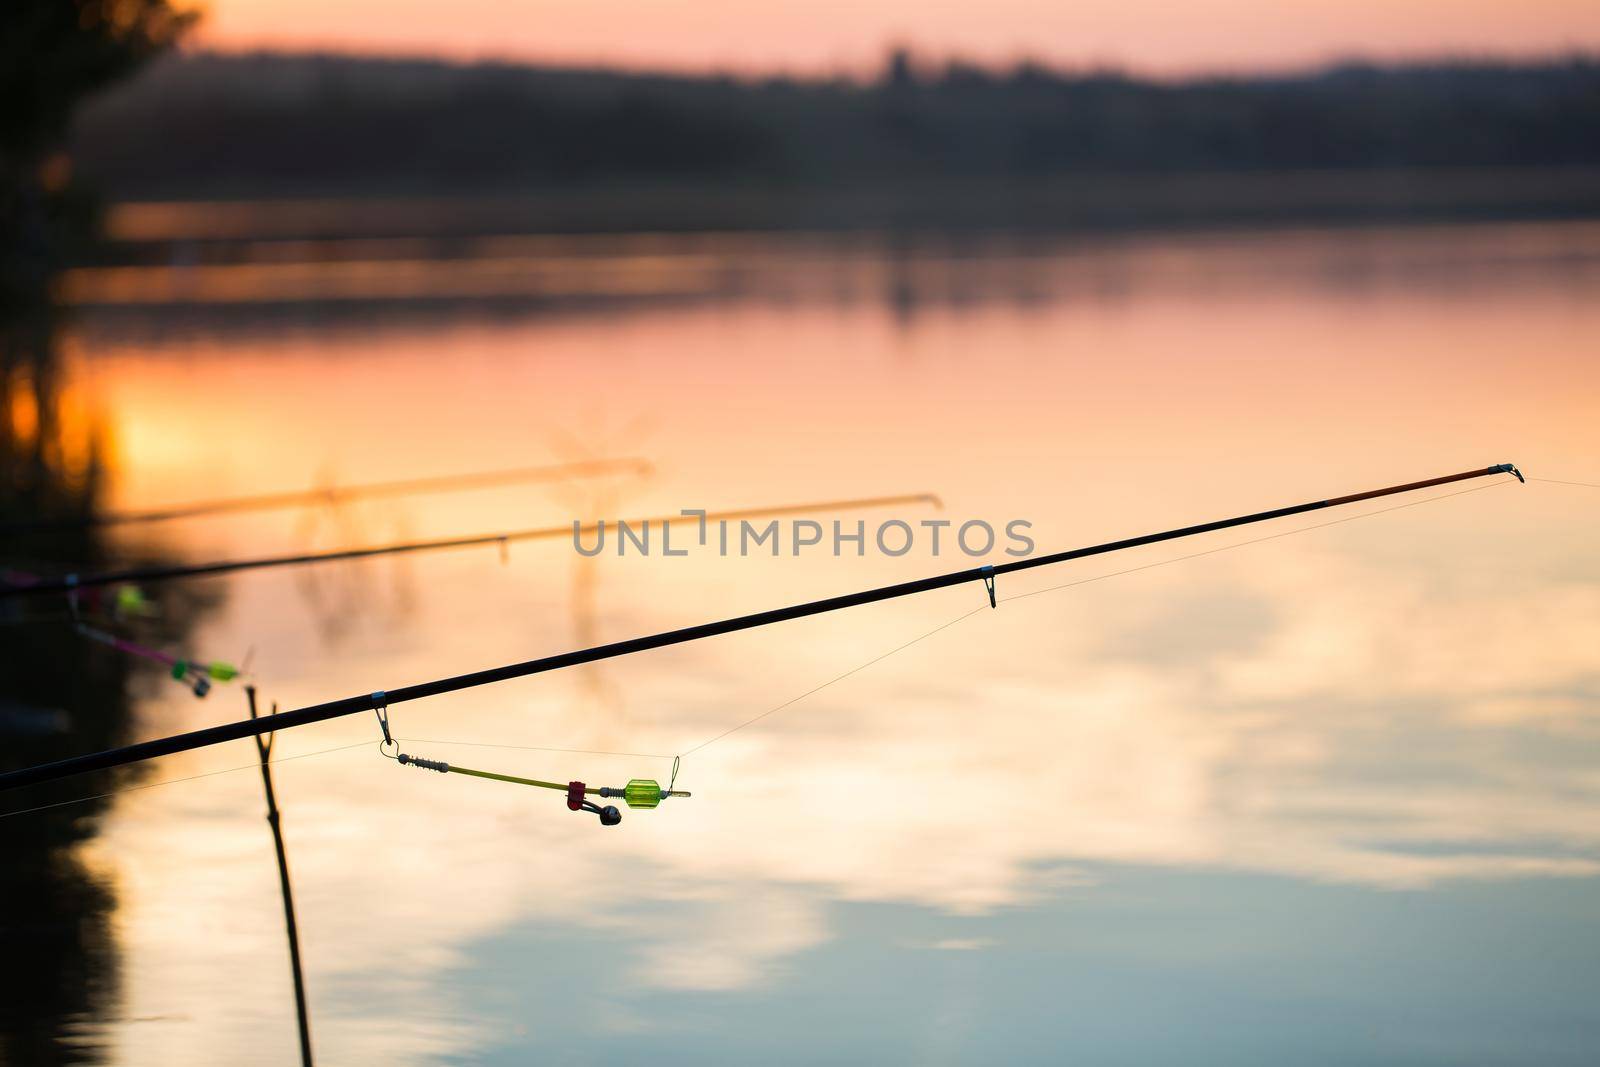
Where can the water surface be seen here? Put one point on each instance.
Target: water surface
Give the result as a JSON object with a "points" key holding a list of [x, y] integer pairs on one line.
{"points": [[1325, 798]]}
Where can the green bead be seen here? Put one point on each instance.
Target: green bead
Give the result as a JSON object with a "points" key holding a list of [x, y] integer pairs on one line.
{"points": [[223, 672], [180, 668], [130, 600], [642, 793]]}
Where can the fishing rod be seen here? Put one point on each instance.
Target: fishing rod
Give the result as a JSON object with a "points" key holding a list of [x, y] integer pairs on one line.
{"points": [[124, 602], [72, 583], [447, 483], [381, 700]]}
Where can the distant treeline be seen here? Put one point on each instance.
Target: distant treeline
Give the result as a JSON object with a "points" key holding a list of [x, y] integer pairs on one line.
{"points": [[264, 125]]}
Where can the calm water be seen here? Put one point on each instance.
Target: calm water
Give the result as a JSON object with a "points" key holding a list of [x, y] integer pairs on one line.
{"points": [[1330, 798]]}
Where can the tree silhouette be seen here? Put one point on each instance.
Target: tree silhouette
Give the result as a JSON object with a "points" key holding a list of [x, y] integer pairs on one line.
{"points": [[54, 54]]}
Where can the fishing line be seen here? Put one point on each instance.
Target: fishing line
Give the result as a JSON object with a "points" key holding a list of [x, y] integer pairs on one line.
{"points": [[1068, 585], [831, 681], [539, 748], [1558, 481], [176, 781], [1252, 541]]}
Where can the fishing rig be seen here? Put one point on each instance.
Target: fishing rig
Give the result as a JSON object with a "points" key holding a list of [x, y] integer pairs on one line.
{"points": [[648, 793], [125, 601], [638, 793], [197, 676]]}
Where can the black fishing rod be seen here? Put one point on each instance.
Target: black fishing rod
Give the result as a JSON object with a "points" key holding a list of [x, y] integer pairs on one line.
{"points": [[448, 483], [381, 700], [145, 575]]}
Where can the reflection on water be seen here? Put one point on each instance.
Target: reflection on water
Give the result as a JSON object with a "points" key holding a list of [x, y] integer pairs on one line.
{"points": [[1328, 796], [61, 695], [57, 914]]}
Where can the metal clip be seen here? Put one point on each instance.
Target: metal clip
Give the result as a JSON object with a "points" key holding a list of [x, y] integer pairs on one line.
{"points": [[380, 704], [988, 583]]}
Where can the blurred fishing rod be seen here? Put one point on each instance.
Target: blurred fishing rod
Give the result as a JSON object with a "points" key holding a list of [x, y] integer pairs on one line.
{"points": [[381, 700], [71, 583], [447, 483]]}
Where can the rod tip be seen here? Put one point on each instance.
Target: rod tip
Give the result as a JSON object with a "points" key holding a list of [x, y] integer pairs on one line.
{"points": [[1511, 468]]}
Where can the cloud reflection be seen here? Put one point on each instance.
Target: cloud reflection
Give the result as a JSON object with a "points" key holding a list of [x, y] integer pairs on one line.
{"points": [[1398, 703]]}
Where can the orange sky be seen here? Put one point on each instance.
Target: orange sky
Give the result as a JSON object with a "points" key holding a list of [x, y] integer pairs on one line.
{"points": [[816, 35]]}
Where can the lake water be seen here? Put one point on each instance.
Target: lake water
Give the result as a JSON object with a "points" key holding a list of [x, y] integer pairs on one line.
{"points": [[1326, 798]]}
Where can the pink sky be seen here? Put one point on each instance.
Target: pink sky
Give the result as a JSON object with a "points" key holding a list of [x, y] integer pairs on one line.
{"points": [[1164, 36]]}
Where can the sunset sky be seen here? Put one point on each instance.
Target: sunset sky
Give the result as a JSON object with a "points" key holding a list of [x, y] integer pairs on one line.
{"points": [[1156, 36]]}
